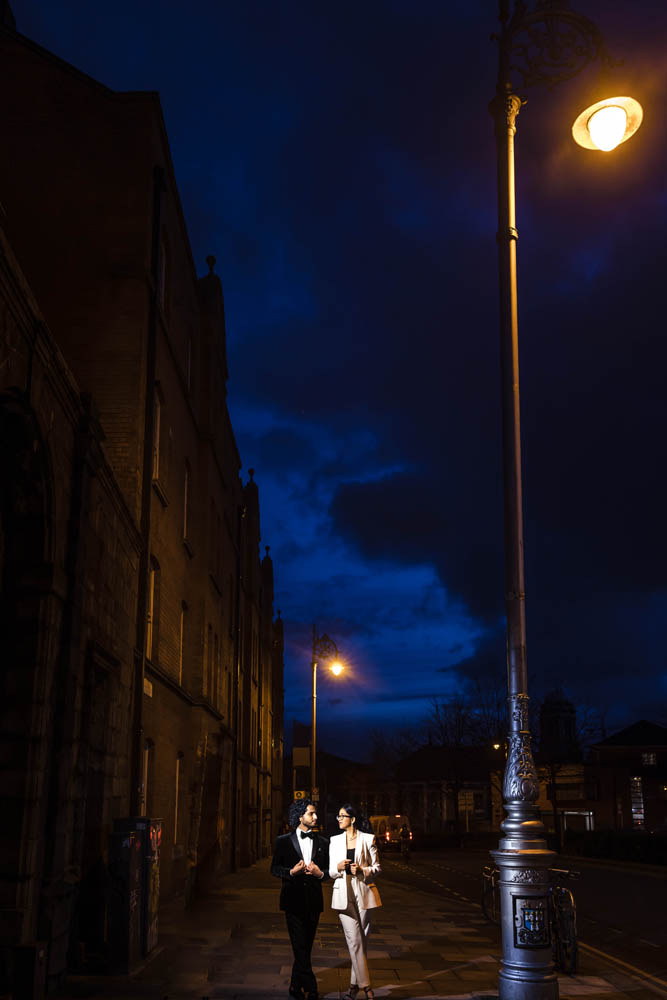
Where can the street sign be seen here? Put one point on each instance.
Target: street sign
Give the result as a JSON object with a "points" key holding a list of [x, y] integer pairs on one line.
{"points": [[300, 795]]}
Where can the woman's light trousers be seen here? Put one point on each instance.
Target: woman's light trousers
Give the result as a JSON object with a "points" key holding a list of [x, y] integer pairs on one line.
{"points": [[356, 927]]}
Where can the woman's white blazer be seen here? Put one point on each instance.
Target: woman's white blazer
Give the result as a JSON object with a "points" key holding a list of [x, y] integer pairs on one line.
{"points": [[366, 855]]}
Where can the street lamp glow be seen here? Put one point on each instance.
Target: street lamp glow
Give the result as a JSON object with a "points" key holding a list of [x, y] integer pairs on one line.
{"points": [[326, 649], [607, 127], [608, 123]]}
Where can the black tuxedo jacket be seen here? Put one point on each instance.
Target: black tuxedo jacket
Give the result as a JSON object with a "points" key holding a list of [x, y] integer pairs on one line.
{"points": [[300, 894]]}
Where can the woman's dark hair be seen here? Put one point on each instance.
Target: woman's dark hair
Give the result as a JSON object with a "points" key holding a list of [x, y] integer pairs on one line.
{"points": [[296, 811], [361, 823]]}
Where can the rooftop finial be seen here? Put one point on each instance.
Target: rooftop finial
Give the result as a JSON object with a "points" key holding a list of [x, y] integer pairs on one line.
{"points": [[268, 549], [251, 473], [210, 260]]}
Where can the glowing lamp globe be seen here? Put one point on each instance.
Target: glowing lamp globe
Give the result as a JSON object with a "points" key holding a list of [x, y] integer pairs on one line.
{"points": [[336, 668], [607, 124]]}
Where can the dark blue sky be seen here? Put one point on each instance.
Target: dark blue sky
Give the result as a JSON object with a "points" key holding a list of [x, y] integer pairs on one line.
{"points": [[339, 161]]}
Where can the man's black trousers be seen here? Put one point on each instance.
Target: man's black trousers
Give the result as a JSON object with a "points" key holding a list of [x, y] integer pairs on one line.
{"points": [[302, 934]]}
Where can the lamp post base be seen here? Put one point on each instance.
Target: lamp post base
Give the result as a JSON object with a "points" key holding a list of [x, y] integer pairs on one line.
{"points": [[526, 969]]}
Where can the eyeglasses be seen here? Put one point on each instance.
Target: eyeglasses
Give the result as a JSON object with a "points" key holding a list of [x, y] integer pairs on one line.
{"points": [[343, 816]]}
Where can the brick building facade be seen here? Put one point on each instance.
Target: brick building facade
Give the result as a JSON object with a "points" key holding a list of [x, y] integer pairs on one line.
{"points": [[160, 689]]}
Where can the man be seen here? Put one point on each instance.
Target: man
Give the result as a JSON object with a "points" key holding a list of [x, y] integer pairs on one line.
{"points": [[405, 842], [301, 860]]}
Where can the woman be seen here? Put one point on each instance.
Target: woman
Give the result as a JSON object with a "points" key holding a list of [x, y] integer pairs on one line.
{"points": [[353, 860]]}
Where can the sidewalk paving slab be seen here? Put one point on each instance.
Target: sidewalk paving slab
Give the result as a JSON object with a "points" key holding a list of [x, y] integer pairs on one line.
{"points": [[232, 944]]}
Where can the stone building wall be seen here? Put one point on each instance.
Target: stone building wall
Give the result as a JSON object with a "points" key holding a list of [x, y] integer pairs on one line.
{"points": [[68, 597], [158, 609]]}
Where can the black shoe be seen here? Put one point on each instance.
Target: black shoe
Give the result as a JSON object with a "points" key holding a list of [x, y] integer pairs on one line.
{"points": [[297, 991], [313, 996]]}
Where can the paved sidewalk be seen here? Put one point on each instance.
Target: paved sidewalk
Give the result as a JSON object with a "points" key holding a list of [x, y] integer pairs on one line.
{"points": [[233, 944]]}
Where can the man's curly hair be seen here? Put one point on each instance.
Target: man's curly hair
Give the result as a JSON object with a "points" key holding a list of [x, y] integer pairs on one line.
{"points": [[297, 809]]}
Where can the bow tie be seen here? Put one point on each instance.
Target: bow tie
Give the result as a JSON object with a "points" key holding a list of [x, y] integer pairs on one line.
{"points": [[304, 835]]}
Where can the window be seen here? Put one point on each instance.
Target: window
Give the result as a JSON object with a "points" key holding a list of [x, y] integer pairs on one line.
{"points": [[163, 275], [146, 770], [157, 421], [212, 525], [208, 672], [578, 819], [568, 791], [215, 544], [637, 802], [152, 610], [162, 444], [231, 606], [216, 667], [179, 758], [649, 759], [189, 363], [186, 501], [218, 548], [181, 640]]}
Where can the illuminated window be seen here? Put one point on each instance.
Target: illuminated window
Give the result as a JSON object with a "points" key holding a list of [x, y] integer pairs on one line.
{"points": [[152, 609], [649, 759], [637, 802], [146, 769], [179, 758]]}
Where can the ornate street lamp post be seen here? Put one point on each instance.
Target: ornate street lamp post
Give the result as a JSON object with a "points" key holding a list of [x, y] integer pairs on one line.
{"points": [[547, 44], [324, 648]]}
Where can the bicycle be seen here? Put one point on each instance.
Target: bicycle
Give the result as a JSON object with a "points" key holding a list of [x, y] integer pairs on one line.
{"points": [[562, 910], [564, 923], [490, 895]]}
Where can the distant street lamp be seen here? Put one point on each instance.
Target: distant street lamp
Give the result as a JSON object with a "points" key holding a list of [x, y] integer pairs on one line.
{"points": [[545, 45], [324, 648]]}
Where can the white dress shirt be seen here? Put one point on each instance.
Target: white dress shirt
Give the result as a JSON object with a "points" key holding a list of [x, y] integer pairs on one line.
{"points": [[306, 845]]}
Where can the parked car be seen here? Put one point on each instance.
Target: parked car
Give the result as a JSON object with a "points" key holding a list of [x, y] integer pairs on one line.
{"points": [[387, 830]]}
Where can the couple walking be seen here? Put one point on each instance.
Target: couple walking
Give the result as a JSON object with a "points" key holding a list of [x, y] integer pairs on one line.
{"points": [[303, 860]]}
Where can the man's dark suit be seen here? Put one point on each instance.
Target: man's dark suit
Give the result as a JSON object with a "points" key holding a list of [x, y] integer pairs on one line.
{"points": [[301, 900]]}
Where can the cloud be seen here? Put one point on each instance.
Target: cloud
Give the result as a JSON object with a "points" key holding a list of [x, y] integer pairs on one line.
{"points": [[353, 218]]}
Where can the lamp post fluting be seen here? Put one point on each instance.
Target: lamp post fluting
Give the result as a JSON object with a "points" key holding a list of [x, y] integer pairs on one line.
{"points": [[323, 648], [547, 44]]}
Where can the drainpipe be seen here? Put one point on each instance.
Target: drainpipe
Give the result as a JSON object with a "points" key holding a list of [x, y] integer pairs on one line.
{"points": [[137, 805], [240, 514], [260, 704]]}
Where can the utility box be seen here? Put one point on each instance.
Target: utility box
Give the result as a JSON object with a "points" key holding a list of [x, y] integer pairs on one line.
{"points": [[149, 833], [125, 901], [152, 843]]}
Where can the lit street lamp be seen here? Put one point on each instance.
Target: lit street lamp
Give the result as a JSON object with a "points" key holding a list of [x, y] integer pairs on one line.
{"points": [[324, 648], [545, 45]]}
